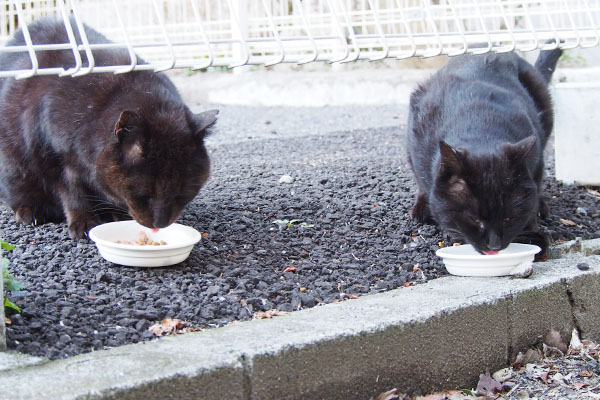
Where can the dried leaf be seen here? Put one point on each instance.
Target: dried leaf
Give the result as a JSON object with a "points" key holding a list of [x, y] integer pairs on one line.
{"points": [[544, 376], [567, 222], [389, 395], [289, 269], [166, 326], [432, 396], [531, 356], [463, 395], [580, 385], [575, 343], [594, 192], [586, 374], [488, 386], [7, 321], [268, 314], [535, 371], [554, 339]]}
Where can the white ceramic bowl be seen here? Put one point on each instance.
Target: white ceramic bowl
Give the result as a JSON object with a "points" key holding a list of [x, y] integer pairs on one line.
{"points": [[464, 260], [180, 240]]}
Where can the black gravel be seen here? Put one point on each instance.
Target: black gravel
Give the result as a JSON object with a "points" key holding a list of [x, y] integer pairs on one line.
{"points": [[352, 189]]}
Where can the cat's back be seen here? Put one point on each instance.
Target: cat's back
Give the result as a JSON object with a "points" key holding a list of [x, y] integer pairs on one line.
{"points": [[471, 91], [466, 78], [53, 31], [96, 89], [70, 109]]}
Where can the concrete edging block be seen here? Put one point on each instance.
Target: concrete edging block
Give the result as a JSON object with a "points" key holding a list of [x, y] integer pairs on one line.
{"points": [[2, 323], [225, 383], [583, 292], [422, 356], [181, 367], [422, 338], [534, 312]]}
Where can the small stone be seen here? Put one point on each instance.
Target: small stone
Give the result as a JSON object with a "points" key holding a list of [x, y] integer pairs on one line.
{"points": [[503, 374], [287, 307], [581, 211], [102, 277], [64, 338], [16, 319], [286, 179], [522, 395], [67, 312], [213, 290], [35, 326], [583, 266]]}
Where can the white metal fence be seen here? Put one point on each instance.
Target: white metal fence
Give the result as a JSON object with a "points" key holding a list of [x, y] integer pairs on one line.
{"points": [[209, 33]]}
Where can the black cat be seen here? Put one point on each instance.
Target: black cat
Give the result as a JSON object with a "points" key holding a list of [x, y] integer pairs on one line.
{"points": [[476, 133], [98, 146]]}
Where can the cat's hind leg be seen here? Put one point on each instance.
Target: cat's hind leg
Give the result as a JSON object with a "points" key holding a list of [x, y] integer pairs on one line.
{"points": [[420, 210], [24, 215], [28, 215], [31, 204]]}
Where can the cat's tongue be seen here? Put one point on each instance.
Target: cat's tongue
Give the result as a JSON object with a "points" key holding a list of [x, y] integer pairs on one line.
{"points": [[154, 229], [491, 252]]}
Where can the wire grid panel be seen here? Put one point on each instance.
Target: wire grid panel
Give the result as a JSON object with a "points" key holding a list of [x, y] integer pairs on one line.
{"points": [[228, 33]]}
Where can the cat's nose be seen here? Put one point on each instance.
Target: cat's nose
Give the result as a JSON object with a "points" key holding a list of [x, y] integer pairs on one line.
{"points": [[494, 241], [161, 220]]}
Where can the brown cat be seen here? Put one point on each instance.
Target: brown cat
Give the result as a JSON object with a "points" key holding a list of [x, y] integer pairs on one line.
{"points": [[96, 147]]}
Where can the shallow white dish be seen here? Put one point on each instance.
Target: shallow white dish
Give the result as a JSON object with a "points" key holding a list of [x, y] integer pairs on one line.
{"points": [[464, 260], [180, 240]]}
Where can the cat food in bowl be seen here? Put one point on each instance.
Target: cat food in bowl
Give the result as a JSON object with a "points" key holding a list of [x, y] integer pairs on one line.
{"points": [[121, 243], [465, 261]]}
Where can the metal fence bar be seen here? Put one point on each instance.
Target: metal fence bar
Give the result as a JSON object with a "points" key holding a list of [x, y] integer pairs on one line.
{"points": [[212, 33]]}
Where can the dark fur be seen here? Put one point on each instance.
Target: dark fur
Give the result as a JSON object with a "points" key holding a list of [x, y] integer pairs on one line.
{"points": [[476, 134], [96, 146]]}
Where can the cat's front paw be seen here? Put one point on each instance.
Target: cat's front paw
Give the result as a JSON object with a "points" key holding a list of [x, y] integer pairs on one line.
{"points": [[543, 210], [537, 238], [24, 215], [80, 222]]}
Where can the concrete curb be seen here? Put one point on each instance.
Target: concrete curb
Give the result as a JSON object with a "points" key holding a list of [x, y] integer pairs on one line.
{"points": [[437, 335], [2, 323]]}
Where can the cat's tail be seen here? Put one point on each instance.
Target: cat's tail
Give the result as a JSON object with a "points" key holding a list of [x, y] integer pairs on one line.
{"points": [[546, 62]]}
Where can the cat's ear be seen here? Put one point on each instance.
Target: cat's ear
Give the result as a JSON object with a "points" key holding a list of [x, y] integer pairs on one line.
{"points": [[128, 139], [127, 121], [451, 159], [450, 178], [521, 150], [205, 119]]}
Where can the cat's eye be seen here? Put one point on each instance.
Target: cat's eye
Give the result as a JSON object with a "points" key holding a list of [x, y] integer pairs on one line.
{"points": [[477, 223]]}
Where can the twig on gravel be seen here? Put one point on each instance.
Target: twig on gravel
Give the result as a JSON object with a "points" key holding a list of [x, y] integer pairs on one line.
{"points": [[511, 391]]}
